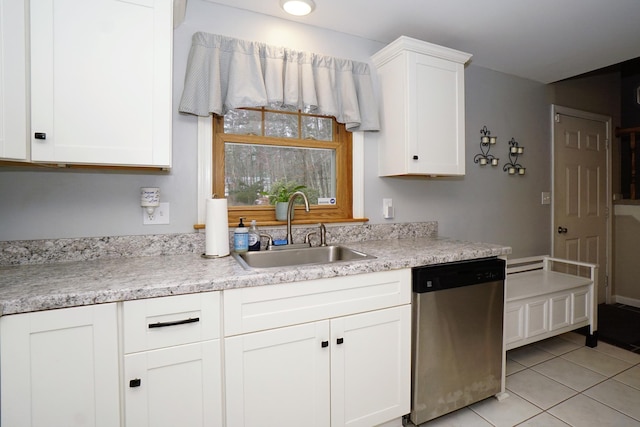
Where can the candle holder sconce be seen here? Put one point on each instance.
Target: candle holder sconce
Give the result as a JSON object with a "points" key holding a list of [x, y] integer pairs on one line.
{"points": [[513, 167], [486, 142]]}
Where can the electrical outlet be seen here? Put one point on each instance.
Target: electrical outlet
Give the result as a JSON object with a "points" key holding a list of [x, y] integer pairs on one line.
{"points": [[546, 198], [387, 208], [160, 215]]}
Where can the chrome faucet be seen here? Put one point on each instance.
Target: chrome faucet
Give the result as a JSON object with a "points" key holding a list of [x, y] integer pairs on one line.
{"points": [[290, 210]]}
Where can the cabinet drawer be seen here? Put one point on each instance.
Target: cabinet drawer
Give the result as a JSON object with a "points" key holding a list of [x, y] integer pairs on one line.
{"points": [[162, 322], [266, 307]]}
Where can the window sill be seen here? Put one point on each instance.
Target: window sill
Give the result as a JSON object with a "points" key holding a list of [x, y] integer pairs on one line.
{"points": [[296, 222]]}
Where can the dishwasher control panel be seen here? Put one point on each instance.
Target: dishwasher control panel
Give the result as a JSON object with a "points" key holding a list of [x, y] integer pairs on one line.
{"points": [[436, 277]]}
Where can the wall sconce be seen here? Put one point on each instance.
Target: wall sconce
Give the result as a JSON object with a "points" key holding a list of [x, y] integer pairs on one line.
{"points": [[150, 199], [486, 142], [513, 167], [298, 7]]}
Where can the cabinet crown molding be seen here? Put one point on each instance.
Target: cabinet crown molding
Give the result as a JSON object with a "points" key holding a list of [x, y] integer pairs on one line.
{"points": [[404, 43]]}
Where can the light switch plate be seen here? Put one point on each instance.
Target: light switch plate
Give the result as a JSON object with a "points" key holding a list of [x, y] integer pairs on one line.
{"points": [[546, 198], [160, 216], [387, 208]]}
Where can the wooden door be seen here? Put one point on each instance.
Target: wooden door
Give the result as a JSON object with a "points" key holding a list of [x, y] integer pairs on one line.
{"points": [[581, 202]]}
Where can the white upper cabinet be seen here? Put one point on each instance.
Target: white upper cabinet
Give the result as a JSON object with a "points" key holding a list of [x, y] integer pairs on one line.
{"points": [[422, 98], [101, 82], [13, 81]]}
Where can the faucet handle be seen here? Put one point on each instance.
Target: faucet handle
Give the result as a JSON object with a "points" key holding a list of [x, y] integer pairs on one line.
{"points": [[269, 239], [307, 237]]}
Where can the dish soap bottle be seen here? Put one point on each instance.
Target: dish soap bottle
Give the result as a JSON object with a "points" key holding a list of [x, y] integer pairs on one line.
{"points": [[241, 238], [254, 237]]}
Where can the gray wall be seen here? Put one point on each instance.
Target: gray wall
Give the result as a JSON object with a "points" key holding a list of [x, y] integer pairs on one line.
{"points": [[486, 205]]}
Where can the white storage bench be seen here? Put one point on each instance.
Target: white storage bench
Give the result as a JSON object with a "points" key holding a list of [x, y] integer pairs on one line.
{"points": [[541, 303]]}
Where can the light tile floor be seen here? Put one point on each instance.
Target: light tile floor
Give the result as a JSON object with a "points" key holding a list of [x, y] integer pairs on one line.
{"points": [[560, 382]]}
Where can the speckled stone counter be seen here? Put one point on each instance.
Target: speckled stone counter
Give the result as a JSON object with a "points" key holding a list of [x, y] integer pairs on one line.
{"points": [[25, 288]]}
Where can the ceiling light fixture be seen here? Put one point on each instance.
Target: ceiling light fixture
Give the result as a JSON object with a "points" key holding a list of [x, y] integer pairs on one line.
{"points": [[298, 7]]}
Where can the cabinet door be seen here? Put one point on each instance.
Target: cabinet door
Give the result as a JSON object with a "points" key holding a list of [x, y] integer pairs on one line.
{"points": [[60, 368], [101, 81], [560, 315], [537, 315], [514, 323], [278, 377], [174, 386], [13, 80], [581, 304], [370, 367], [436, 116]]}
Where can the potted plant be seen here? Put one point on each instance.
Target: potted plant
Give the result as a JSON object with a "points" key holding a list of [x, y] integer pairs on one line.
{"points": [[279, 196]]}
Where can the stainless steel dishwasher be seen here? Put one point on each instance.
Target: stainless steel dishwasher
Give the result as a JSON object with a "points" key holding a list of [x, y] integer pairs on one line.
{"points": [[457, 335]]}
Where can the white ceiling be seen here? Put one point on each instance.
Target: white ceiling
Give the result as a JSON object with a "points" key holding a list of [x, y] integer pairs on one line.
{"points": [[542, 40]]}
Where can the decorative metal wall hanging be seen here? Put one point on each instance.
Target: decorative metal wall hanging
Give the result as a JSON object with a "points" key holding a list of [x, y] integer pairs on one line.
{"points": [[486, 142], [513, 167]]}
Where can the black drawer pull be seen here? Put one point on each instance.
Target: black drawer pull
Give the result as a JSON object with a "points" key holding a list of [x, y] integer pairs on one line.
{"points": [[135, 383], [339, 340], [174, 323], [40, 135], [325, 344]]}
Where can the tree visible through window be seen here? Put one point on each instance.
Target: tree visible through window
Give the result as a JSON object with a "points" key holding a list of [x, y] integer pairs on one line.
{"points": [[260, 150]]}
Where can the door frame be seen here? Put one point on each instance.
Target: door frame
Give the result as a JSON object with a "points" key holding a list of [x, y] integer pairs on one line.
{"points": [[558, 109]]}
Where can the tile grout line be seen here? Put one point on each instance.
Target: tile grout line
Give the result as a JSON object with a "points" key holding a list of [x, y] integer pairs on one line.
{"points": [[577, 392]]}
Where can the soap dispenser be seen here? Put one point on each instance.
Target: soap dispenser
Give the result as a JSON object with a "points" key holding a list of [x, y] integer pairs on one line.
{"points": [[241, 238], [254, 237]]}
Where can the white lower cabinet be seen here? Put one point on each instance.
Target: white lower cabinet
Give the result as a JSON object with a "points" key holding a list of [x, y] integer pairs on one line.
{"points": [[175, 386], [59, 368], [328, 352], [330, 368], [370, 357], [172, 361], [279, 377]]}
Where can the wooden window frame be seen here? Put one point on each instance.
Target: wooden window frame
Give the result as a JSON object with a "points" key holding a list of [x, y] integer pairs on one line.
{"points": [[342, 211]]}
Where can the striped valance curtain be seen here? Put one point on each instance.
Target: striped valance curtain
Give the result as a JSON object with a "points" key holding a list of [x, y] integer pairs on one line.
{"points": [[225, 73]]}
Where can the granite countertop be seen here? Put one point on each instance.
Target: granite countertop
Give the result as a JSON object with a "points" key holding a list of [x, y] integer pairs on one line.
{"points": [[27, 288]]}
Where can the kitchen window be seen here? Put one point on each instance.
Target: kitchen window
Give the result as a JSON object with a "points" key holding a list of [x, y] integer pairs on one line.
{"points": [[257, 149], [225, 74]]}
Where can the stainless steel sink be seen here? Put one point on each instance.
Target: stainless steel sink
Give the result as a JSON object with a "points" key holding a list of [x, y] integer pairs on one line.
{"points": [[298, 256]]}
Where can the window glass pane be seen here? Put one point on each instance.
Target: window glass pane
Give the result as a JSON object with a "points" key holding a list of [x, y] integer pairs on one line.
{"points": [[243, 122], [254, 171], [318, 128], [281, 125]]}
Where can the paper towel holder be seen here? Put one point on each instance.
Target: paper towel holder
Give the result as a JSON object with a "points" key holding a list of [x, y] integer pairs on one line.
{"points": [[214, 256]]}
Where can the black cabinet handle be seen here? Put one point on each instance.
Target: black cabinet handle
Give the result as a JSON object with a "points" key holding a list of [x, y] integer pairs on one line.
{"points": [[135, 383], [174, 323], [40, 135], [415, 157], [325, 344], [339, 340]]}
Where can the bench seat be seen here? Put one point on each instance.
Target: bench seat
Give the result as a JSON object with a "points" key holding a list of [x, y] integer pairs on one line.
{"points": [[541, 303]]}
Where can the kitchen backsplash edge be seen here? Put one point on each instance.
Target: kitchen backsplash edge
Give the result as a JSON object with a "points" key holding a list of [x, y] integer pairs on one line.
{"points": [[23, 252]]}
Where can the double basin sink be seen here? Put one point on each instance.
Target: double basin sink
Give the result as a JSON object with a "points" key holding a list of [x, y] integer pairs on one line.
{"points": [[298, 256]]}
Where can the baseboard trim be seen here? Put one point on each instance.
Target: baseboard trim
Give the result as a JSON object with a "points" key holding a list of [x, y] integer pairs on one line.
{"points": [[627, 301]]}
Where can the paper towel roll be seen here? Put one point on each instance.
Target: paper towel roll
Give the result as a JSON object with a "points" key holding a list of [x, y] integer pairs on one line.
{"points": [[216, 228]]}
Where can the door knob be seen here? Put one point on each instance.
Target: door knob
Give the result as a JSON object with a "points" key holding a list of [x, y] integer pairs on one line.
{"points": [[562, 230]]}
